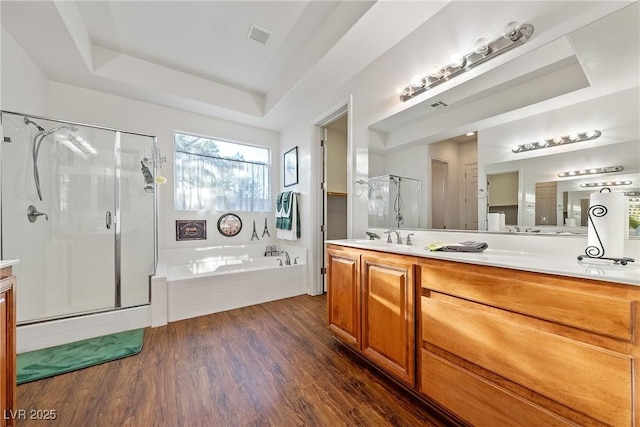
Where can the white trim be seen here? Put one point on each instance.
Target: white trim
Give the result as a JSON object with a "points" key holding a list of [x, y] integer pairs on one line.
{"points": [[63, 331], [315, 257]]}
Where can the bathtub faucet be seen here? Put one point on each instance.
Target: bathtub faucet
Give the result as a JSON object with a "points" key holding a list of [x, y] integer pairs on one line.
{"points": [[287, 260]]}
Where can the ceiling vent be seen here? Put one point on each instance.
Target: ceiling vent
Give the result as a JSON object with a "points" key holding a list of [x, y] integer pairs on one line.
{"points": [[439, 104], [259, 34]]}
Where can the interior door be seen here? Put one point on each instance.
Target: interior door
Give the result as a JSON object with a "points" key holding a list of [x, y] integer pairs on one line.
{"points": [[439, 193], [546, 200], [323, 224], [470, 199]]}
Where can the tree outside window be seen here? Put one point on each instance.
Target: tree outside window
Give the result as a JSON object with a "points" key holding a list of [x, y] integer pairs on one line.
{"points": [[220, 175]]}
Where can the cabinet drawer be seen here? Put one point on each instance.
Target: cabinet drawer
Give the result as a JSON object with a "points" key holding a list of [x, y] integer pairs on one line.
{"points": [[551, 298], [585, 378], [476, 400]]}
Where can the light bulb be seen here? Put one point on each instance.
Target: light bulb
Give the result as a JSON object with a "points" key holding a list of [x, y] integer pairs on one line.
{"points": [[593, 170], [572, 173], [515, 148], [558, 140], [399, 89], [512, 31], [416, 81], [561, 174], [591, 133], [543, 143], [582, 172], [573, 137], [470, 133], [456, 61], [436, 72], [481, 46]]}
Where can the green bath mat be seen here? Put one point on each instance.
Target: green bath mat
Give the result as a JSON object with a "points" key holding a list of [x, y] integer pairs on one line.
{"points": [[61, 359]]}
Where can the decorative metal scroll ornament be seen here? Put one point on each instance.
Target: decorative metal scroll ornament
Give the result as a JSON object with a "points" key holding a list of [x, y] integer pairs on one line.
{"points": [[598, 211]]}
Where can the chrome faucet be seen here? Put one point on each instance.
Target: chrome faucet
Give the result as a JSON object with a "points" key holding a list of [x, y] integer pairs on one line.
{"points": [[33, 214], [398, 238], [409, 242], [287, 260]]}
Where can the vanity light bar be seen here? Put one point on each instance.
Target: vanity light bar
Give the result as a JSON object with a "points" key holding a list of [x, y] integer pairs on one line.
{"points": [[590, 171], [553, 142], [605, 184], [513, 35]]}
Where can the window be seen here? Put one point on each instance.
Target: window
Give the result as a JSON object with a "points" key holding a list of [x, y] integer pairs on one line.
{"points": [[220, 175]]}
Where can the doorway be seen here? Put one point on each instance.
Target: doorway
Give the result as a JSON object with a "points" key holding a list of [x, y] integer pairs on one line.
{"points": [[439, 192], [470, 199], [454, 175], [334, 210]]}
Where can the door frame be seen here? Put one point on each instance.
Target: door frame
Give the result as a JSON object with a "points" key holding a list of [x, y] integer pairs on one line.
{"points": [[317, 266]]}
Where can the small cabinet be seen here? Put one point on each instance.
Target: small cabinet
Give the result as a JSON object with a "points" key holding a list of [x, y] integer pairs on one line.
{"points": [[7, 347], [371, 307]]}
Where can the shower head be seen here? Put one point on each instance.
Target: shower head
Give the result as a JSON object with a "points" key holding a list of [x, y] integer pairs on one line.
{"points": [[56, 129], [28, 121]]}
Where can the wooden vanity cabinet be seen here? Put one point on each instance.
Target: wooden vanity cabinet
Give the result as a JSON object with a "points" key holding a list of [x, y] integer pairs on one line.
{"points": [[371, 307], [7, 347], [513, 348]]}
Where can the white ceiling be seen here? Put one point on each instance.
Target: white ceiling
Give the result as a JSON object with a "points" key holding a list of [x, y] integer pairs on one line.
{"points": [[196, 56], [210, 39]]}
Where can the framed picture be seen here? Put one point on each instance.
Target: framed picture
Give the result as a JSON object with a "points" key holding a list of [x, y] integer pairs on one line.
{"points": [[291, 167], [191, 229]]}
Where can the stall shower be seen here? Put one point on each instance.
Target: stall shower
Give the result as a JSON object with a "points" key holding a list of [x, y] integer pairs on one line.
{"points": [[79, 213], [394, 202]]}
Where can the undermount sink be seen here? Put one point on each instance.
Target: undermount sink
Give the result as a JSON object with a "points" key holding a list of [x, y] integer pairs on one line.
{"points": [[369, 242]]}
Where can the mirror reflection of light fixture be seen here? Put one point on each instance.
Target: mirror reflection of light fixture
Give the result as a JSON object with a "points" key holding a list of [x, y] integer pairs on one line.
{"points": [[514, 35], [561, 140], [605, 184], [591, 171]]}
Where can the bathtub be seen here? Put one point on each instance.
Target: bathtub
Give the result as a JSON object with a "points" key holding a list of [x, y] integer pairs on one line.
{"points": [[194, 282]]}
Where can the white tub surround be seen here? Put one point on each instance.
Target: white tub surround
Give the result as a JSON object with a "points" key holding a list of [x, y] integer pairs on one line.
{"points": [[541, 254], [201, 281]]}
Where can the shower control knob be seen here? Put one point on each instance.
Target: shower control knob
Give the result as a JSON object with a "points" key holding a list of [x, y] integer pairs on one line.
{"points": [[33, 214]]}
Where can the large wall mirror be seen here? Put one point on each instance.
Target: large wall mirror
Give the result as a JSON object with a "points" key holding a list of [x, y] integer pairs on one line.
{"points": [[586, 80]]}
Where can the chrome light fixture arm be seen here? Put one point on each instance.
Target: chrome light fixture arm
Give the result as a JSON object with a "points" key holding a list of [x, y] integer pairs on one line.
{"points": [[514, 35]]}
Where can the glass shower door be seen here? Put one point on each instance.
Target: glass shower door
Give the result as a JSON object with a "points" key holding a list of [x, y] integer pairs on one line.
{"points": [[68, 253]]}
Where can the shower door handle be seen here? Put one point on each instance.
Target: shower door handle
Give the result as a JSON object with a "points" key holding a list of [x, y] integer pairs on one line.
{"points": [[109, 220]]}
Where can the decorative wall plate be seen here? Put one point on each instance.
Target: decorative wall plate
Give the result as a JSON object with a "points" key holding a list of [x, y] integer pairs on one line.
{"points": [[229, 224]]}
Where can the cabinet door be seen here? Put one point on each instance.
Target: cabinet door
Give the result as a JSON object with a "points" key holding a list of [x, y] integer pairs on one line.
{"points": [[343, 295], [388, 316]]}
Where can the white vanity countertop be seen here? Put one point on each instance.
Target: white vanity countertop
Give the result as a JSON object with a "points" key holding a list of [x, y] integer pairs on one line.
{"points": [[564, 265], [8, 262]]}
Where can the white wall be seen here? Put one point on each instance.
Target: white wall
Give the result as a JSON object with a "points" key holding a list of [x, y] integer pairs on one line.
{"points": [[88, 106], [24, 86]]}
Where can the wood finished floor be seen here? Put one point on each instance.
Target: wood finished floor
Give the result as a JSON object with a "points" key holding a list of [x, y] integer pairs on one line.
{"points": [[273, 364]]}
